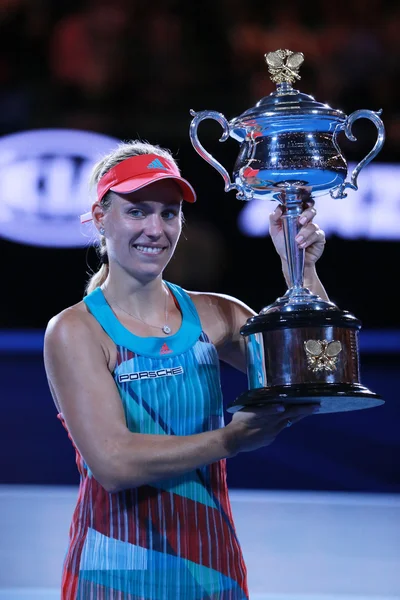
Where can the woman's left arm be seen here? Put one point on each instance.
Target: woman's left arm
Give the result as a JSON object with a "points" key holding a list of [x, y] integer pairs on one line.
{"points": [[312, 239], [222, 317]]}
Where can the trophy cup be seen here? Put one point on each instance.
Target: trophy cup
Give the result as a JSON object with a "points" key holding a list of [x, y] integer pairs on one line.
{"points": [[300, 349]]}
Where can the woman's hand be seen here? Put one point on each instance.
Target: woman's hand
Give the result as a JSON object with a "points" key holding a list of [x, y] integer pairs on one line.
{"points": [[310, 236], [252, 428]]}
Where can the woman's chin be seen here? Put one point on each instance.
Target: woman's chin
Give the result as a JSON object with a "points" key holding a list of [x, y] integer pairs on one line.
{"points": [[147, 274]]}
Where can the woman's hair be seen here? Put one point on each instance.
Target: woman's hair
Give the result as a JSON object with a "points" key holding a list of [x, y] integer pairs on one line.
{"points": [[123, 151]]}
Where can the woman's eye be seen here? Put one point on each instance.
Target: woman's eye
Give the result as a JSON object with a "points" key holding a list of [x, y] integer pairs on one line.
{"points": [[136, 212], [169, 214]]}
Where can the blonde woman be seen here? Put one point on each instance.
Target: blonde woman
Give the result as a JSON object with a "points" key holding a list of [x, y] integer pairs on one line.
{"points": [[134, 372]]}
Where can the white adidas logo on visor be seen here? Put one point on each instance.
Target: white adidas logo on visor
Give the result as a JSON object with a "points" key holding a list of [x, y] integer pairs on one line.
{"points": [[156, 164]]}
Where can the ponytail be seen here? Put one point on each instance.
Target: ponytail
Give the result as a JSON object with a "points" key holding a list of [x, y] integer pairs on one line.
{"points": [[98, 278]]}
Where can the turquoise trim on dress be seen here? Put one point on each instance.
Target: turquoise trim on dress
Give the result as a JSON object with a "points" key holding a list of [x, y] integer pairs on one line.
{"points": [[172, 345]]}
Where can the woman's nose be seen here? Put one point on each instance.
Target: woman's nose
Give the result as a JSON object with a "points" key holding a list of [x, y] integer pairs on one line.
{"points": [[154, 225]]}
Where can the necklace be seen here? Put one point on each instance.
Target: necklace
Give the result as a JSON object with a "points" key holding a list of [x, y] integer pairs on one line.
{"points": [[165, 328]]}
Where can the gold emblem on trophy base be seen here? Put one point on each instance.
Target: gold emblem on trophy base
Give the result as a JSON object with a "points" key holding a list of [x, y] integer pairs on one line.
{"points": [[322, 355]]}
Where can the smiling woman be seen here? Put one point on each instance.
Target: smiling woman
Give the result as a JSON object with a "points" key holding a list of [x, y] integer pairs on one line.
{"points": [[133, 369], [141, 228], [130, 168]]}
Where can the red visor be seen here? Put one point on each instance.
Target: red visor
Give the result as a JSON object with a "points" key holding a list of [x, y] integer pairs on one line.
{"points": [[135, 173]]}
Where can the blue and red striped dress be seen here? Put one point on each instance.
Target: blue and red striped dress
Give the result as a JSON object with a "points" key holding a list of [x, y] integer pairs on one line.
{"points": [[173, 539]]}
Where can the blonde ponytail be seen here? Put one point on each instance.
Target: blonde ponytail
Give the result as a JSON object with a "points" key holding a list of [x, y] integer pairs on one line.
{"points": [[123, 151], [98, 278]]}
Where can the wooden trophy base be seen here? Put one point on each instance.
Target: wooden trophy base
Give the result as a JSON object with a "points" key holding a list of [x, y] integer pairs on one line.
{"points": [[304, 357], [330, 398]]}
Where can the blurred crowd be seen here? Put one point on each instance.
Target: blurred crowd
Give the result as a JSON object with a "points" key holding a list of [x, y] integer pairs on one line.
{"points": [[135, 68], [110, 65]]}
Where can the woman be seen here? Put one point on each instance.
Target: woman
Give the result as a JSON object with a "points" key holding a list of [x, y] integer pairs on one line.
{"points": [[134, 373]]}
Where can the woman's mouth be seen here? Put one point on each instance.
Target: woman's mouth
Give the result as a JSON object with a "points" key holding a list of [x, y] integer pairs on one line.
{"points": [[150, 250]]}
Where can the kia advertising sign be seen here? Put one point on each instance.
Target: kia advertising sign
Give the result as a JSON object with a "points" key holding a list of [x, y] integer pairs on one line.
{"points": [[44, 184], [372, 212]]}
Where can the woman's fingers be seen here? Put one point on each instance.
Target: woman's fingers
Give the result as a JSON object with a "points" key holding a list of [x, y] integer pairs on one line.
{"points": [[307, 215], [275, 216], [295, 411], [310, 234], [294, 414]]}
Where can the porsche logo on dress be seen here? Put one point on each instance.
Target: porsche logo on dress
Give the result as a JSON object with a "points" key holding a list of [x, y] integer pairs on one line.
{"points": [[140, 375]]}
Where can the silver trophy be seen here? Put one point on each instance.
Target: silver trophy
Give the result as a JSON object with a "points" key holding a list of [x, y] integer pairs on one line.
{"points": [[300, 349]]}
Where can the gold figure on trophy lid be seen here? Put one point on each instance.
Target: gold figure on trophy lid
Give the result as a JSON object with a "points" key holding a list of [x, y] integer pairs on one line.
{"points": [[284, 65]]}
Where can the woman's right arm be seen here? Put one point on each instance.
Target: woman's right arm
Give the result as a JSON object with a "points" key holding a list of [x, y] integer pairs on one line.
{"points": [[85, 392]]}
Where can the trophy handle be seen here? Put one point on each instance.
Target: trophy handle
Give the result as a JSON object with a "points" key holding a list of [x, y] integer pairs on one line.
{"points": [[347, 127], [212, 114]]}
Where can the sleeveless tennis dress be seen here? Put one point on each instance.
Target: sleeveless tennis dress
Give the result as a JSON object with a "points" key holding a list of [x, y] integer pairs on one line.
{"points": [[174, 539]]}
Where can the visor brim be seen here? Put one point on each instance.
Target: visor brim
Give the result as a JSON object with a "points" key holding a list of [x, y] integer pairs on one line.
{"points": [[136, 183]]}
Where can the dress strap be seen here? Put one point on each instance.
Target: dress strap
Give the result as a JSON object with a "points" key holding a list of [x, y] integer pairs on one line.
{"points": [[180, 342]]}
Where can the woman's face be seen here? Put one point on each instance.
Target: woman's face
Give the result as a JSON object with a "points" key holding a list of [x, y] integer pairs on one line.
{"points": [[142, 228]]}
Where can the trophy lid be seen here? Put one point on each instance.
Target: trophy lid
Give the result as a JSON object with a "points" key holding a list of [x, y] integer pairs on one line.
{"points": [[283, 66]]}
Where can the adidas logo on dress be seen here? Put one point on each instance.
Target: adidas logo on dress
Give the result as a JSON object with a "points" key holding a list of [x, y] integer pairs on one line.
{"points": [[165, 349], [156, 164]]}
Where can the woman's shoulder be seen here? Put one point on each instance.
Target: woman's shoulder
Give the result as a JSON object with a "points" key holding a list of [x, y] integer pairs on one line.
{"points": [[75, 316], [71, 325], [76, 325], [221, 315], [218, 301]]}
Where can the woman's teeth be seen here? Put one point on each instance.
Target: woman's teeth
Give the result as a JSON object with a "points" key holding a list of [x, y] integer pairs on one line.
{"points": [[149, 249]]}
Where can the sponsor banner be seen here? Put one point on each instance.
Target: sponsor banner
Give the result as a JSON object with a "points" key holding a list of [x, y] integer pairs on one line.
{"points": [[44, 185], [372, 212]]}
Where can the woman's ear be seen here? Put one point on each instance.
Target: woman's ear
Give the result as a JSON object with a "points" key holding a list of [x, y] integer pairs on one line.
{"points": [[98, 215]]}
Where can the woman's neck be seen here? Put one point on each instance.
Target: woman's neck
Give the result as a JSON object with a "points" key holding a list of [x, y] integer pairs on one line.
{"points": [[132, 295]]}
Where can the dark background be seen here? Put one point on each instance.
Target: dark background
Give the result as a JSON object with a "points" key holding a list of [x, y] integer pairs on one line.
{"points": [[128, 70]]}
